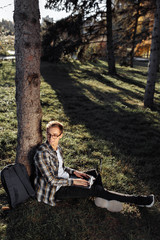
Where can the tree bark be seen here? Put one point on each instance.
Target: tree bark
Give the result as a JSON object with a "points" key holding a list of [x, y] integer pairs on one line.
{"points": [[134, 35], [153, 63], [110, 48], [28, 52]]}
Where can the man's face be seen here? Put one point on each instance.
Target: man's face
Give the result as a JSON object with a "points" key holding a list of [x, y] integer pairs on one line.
{"points": [[53, 136]]}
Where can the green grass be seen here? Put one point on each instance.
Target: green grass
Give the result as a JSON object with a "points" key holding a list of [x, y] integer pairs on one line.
{"points": [[6, 43], [106, 127]]}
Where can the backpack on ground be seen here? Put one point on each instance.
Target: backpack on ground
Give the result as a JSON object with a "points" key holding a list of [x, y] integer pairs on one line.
{"points": [[16, 183]]}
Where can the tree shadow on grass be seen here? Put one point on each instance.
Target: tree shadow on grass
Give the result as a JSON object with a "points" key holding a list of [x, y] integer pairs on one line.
{"points": [[120, 79], [80, 219], [133, 137]]}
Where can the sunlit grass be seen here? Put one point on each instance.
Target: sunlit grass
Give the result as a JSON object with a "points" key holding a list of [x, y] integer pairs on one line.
{"points": [[106, 127]]}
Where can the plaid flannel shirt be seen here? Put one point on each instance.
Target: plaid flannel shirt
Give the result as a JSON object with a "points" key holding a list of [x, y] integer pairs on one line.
{"points": [[46, 180]]}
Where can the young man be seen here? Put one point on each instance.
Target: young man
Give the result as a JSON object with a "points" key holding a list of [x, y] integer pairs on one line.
{"points": [[54, 181]]}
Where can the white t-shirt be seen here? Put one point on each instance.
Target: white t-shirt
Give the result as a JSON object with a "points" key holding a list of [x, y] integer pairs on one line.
{"points": [[61, 172]]}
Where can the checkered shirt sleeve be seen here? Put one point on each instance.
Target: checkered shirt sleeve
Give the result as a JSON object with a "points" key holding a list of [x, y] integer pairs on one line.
{"points": [[47, 179]]}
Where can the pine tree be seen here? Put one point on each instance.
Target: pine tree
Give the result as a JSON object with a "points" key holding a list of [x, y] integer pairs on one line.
{"points": [[28, 50], [86, 7]]}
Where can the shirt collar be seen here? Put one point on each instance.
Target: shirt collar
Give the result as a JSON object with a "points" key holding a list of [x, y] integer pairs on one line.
{"points": [[50, 147]]}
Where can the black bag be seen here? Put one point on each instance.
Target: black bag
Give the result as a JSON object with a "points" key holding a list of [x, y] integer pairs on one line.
{"points": [[16, 183]]}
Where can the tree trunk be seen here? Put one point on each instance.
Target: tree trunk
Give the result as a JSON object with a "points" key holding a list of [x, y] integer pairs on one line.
{"points": [[134, 35], [28, 51], [158, 70], [110, 48], [152, 71]]}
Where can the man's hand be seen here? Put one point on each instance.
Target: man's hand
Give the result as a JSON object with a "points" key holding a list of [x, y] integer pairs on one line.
{"points": [[81, 174], [80, 182]]}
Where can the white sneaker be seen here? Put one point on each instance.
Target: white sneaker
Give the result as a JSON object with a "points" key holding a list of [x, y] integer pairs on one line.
{"points": [[112, 205]]}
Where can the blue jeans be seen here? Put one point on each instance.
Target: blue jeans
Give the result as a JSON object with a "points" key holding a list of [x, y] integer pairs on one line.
{"points": [[97, 190]]}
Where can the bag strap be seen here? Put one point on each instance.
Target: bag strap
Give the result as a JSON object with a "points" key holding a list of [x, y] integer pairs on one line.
{"points": [[21, 171]]}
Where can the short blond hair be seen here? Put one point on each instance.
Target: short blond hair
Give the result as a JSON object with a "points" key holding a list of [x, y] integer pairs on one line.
{"points": [[54, 124]]}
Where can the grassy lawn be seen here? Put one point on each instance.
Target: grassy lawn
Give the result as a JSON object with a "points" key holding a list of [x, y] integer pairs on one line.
{"points": [[106, 127]]}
